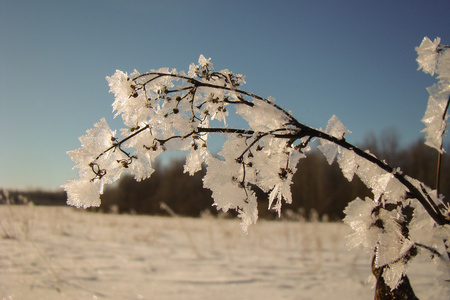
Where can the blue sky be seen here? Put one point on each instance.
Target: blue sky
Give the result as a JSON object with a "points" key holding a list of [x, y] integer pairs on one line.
{"points": [[355, 59]]}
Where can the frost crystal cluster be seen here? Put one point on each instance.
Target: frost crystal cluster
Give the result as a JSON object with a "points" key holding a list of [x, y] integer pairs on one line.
{"points": [[177, 111], [433, 59]]}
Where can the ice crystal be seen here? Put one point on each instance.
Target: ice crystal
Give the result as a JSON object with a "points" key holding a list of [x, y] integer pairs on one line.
{"points": [[262, 116], [335, 129], [83, 193], [224, 179], [347, 161], [358, 215], [427, 55], [436, 115]]}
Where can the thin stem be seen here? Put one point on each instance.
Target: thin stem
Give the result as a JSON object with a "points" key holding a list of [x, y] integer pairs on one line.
{"points": [[123, 141], [438, 167], [431, 249], [442, 47], [438, 173]]}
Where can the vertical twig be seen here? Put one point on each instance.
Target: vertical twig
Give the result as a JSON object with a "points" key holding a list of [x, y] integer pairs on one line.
{"points": [[439, 162], [438, 170], [438, 173]]}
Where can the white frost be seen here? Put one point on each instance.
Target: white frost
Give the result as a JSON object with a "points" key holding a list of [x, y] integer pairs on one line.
{"points": [[427, 55], [336, 129]]}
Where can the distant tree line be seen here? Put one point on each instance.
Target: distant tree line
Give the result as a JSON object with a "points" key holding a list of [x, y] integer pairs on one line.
{"points": [[318, 189], [37, 197]]}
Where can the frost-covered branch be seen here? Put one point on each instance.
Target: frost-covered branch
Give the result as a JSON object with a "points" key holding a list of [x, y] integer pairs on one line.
{"points": [[434, 59], [170, 110]]}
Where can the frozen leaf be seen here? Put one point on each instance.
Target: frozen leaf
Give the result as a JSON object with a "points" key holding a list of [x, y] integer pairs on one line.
{"points": [[205, 62], [427, 55], [373, 177], [358, 215], [443, 67], [390, 242], [275, 163], [394, 190], [193, 69], [393, 274], [262, 116], [141, 167], [95, 142], [329, 150], [249, 212], [121, 86], [435, 116], [420, 223], [336, 129], [195, 159], [83, 192], [347, 161], [216, 107], [128, 101], [224, 179]]}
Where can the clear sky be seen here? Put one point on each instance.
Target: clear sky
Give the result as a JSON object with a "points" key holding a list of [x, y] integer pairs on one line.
{"points": [[355, 59]]}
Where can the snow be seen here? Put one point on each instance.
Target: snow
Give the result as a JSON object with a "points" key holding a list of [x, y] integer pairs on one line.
{"points": [[65, 253]]}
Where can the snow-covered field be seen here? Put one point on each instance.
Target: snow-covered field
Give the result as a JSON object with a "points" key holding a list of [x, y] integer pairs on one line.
{"points": [[63, 253]]}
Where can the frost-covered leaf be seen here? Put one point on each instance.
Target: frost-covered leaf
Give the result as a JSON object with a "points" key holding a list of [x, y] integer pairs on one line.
{"points": [[391, 243], [195, 158], [224, 179], [436, 115], [262, 116], [358, 215], [141, 168], [128, 102], [83, 192], [420, 223], [215, 106], [373, 177], [122, 88], [248, 213], [93, 143], [275, 165], [394, 190], [336, 129], [203, 62], [377, 228], [393, 274], [348, 163], [329, 150], [443, 67], [427, 55]]}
